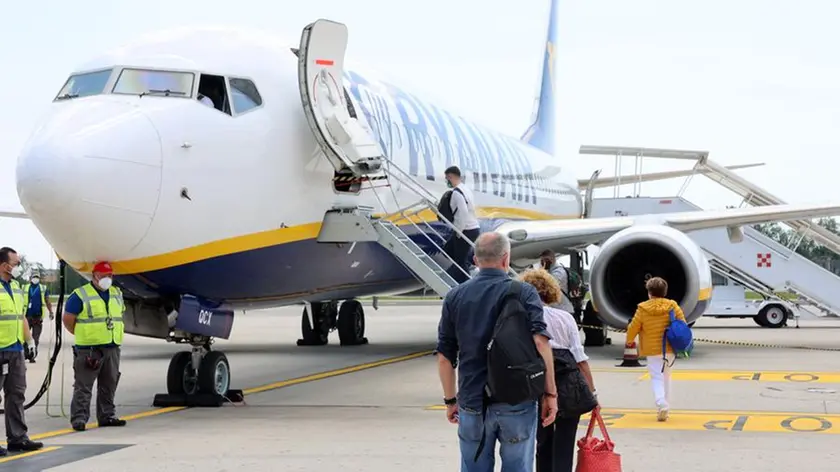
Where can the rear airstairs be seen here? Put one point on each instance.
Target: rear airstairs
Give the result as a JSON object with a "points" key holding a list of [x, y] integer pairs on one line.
{"points": [[757, 262]]}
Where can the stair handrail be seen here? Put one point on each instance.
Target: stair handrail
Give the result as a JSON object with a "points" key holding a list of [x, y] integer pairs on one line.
{"points": [[428, 200]]}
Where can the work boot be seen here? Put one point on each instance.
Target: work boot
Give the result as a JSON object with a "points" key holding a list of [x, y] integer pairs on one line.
{"points": [[25, 445], [78, 426], [111, 422]]}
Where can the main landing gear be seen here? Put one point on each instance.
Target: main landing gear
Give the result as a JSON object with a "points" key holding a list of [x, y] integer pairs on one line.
{"points": [[320, 318], [199, 377]]}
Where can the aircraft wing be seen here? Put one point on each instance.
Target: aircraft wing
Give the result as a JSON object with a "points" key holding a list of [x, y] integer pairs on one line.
{"points": [[13, 214], [529, 238]]}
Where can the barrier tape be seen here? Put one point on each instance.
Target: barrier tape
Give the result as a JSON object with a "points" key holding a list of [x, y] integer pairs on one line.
{"points": [[732, 343]]}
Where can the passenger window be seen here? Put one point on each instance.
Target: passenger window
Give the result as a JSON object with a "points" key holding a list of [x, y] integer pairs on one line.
{"points": [[154, 82], [213, 88], [244, 95], [84, 85]]}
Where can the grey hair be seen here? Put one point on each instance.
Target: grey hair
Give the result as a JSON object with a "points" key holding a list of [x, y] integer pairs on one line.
{"points": [[491, 247]]}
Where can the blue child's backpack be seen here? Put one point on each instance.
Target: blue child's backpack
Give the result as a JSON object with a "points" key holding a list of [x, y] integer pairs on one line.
{"points": [[679, 336]]}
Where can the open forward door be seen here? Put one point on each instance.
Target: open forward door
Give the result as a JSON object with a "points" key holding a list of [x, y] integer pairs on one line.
{"points": [[346, 143]]}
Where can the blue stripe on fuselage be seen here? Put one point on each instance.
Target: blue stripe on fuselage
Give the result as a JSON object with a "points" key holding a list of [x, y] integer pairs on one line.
{"points": [[295, 270]]}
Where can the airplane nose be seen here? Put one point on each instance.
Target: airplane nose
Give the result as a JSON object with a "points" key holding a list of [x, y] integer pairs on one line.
{"points": [[89, 177]]}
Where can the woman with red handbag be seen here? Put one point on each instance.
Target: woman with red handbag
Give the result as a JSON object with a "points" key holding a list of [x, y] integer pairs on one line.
{"points": [[576, 388]]}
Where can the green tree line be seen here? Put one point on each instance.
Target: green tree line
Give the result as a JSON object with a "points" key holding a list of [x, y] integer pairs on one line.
{"points": [[807, 248]]}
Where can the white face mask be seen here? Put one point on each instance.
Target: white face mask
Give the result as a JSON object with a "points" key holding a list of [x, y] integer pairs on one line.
{"points": [[16, 271], [105, 283], [35, 280]]}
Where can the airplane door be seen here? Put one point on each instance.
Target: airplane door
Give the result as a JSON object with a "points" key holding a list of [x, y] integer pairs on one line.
{"points": [[344, 141]]}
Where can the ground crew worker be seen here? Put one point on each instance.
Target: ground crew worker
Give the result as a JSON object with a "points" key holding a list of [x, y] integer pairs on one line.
{"points": [[36, 299], [16, 344], [94, 314]]}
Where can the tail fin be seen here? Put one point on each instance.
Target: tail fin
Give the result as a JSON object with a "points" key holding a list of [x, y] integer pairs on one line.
{"points": [[541, 133]]}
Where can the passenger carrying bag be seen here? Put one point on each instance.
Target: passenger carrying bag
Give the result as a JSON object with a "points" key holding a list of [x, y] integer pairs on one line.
{"points": [[574, 397], [515, 369], [445, 205], [678, 335]]}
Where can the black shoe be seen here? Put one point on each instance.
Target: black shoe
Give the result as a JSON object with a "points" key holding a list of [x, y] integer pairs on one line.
{"points": [[25, 445], [78, 426], [111, 422], [3, 451]]}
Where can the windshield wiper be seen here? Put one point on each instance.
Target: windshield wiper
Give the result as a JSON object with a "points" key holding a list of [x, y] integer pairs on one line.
{"points": [[166, 92], [67, 96]]}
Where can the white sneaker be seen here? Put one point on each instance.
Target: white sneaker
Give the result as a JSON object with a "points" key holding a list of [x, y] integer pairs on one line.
{"points": [[662, 414]]}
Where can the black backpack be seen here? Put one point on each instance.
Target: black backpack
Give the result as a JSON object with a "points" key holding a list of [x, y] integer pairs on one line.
{"points": [[515, 369], [445, 207]]}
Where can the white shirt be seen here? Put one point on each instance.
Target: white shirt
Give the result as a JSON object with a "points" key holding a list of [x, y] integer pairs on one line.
{"points": [[464, 209], [564, 332], [205, 100]]}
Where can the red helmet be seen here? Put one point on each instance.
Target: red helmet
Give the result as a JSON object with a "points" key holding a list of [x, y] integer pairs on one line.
{"points": [[103, 267]]}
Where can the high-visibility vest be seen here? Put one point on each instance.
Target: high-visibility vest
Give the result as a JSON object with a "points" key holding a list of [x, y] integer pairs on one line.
{"points": [[11, 315], [26, 289], [92, 324]]}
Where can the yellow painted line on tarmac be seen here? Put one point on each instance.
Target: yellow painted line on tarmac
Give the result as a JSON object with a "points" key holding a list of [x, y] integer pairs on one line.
{"points": [[29, 454], [249, 391], [753, 376], [731, 421]]}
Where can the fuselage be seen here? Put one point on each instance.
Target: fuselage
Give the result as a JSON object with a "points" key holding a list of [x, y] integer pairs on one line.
{"points": [[184, 198]]}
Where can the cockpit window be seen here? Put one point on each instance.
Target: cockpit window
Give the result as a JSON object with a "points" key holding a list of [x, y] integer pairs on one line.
{"points": [[244, 95], [86, 84], [155, 82]]}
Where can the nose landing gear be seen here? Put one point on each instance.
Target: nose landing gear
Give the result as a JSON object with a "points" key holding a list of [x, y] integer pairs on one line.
{"points": [[200, 377]]}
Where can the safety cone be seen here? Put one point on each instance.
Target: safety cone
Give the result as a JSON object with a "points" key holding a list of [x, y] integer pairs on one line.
{"points": [[631, 356]]}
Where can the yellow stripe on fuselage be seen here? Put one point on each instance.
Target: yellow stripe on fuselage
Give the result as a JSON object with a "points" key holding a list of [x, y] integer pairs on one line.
{"points": [[275, 237]]}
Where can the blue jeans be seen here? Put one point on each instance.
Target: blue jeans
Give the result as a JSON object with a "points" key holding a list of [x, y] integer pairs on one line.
{"points": [[513, 426]]}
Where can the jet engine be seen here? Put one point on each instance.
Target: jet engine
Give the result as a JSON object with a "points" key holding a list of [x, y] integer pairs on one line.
{"points": [[630, 257]]}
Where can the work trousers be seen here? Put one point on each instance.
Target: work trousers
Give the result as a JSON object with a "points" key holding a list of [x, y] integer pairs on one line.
{"points": [[14, 391], [106, 376], [661, 381], [36, 325], [556, 445], [459, 250]]}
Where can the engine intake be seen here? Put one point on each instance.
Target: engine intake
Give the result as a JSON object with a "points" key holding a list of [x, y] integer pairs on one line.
{"points": [[630, 257]]}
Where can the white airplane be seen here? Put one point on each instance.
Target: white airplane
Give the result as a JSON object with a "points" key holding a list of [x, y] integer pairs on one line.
{"points": [[205, 207]]}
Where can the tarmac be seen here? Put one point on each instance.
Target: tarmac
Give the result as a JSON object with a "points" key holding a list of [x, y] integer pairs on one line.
{"points": [[736, 407]]}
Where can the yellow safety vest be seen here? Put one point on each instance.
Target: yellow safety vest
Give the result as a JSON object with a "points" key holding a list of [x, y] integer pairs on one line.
{"points": [[11, 315], [26, 299], [98, 324]]}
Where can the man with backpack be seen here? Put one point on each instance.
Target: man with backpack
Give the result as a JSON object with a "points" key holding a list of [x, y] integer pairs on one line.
{"points": [[570, 283], [660, 324], [458, 206], [492, 330]]}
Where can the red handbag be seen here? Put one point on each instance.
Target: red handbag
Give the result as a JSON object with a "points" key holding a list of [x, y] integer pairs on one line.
{"points": [[597, 455]]}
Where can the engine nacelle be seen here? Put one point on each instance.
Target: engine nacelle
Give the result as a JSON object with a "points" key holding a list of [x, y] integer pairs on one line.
{"points": [[630, 257]]}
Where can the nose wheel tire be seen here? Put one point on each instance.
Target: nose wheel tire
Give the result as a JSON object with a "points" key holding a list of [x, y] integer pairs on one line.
{"points": [[181, 378], [213, 374]]}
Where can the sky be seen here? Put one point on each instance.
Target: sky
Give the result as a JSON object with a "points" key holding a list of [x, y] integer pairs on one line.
{"points": [[743, 80]]}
